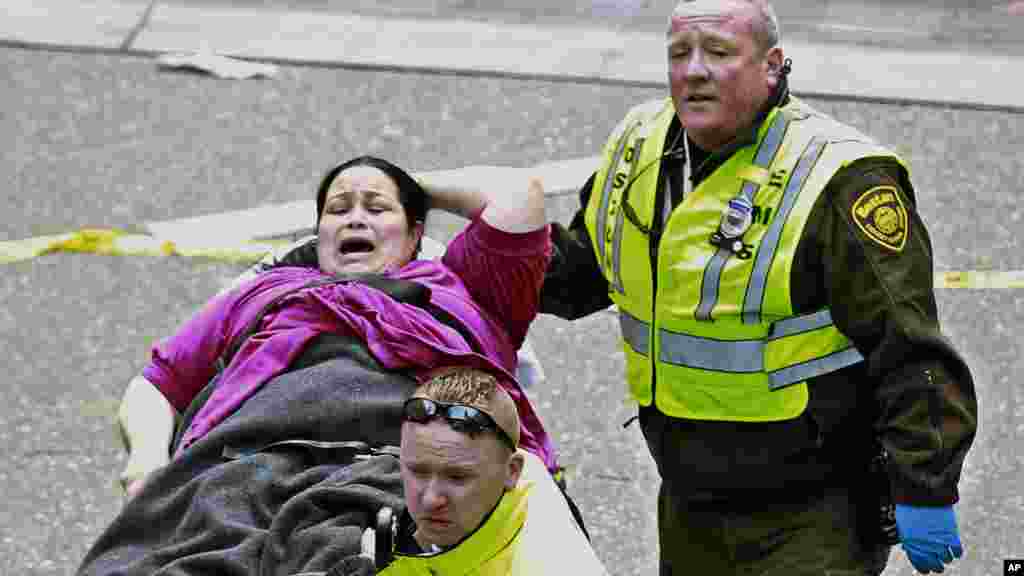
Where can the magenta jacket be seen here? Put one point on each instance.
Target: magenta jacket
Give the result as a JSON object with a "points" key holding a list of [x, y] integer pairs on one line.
{"points": [[487, 278]]}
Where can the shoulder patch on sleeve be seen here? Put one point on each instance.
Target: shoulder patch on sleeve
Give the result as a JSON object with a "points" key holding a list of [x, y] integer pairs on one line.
{"points": [[882, 217]]}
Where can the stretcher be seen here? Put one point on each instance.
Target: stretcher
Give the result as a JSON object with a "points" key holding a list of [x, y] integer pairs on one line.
{"points": [[554, 539]]}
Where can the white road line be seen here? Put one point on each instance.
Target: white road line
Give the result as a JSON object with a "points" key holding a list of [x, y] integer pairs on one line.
{"points": [[873, 30], [578, 52], [88, 24]]}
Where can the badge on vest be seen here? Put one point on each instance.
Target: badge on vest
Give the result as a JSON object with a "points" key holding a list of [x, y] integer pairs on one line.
{"points": [[736, 220], [882, 217]]}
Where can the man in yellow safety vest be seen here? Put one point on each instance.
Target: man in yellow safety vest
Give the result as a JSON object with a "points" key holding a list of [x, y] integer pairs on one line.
{"points": [[773, 282]]}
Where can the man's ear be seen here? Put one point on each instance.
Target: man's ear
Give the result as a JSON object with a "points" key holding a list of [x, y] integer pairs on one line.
{"points": [[773, 61], [514, 469]]}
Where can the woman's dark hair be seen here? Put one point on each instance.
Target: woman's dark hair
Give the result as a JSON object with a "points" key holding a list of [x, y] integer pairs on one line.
{"points": [[412, 196]]}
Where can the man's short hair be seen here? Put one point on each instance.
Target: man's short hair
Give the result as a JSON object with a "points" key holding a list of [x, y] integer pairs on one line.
{"points": [[767, 32], [766, 26], [473, 387], [460, 386]]}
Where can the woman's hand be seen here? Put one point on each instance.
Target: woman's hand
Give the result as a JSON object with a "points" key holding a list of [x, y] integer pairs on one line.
{"points": [[498, 192], [516, 210]]}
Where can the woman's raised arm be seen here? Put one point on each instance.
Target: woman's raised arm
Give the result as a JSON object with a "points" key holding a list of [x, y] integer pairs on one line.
{"points": [[510, 198]]}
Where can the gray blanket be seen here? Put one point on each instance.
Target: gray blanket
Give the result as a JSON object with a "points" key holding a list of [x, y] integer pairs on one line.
{"points": [[233, 505]]}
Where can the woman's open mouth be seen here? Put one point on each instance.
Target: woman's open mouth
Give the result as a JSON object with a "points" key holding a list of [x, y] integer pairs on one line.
{"points": [[356, 246]]}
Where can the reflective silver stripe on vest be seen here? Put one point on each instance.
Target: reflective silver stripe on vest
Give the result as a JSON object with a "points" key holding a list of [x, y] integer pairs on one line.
{"points": [[745, 356], [620, 222], [609, 179], [770, 242], [710, 354], [617, 253], [712, 279], [799, 372], [636, 332], [713, 271], [800, 324], [772, 141]]}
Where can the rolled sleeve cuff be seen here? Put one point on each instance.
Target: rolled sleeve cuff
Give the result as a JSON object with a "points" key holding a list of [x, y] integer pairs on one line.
{"points": [[159, 377], [509, 243]]}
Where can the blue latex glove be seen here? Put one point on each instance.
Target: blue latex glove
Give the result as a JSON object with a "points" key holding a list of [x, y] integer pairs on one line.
{"points": [[929, 536]]}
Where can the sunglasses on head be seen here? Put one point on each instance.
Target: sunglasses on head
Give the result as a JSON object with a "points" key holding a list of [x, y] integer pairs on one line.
{"points": [[460, 417]]}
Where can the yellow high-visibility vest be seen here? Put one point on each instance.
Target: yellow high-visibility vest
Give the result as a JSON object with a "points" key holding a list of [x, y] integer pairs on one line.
{"points": [[717, 338], [487, 551], [512, 542]]}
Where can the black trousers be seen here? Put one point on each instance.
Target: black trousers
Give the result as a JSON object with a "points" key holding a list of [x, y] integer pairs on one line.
{"points": [[771, 502], [813, 537]]}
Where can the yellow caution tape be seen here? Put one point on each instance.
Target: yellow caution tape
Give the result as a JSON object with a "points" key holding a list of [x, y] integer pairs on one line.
{"points": [[119, 243], [980, 279]]}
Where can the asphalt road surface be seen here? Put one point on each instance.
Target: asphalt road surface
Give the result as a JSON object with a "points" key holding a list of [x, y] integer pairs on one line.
{"points": [[110, 141], [984, 25]]}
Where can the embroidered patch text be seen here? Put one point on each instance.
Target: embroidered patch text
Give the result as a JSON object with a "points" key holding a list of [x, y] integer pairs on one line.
{"points": [[881, 215]]}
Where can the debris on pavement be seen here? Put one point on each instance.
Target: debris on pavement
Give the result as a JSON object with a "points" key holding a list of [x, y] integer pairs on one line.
{"points": [[217, 65]]}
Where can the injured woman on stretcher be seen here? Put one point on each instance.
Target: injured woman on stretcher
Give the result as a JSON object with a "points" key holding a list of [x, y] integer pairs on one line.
{"points": [[262, 434]]}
